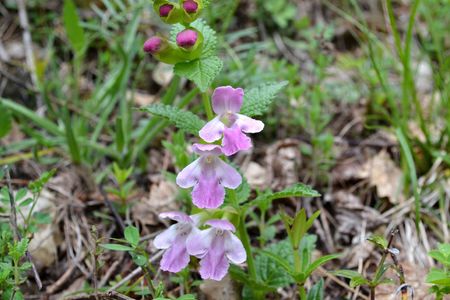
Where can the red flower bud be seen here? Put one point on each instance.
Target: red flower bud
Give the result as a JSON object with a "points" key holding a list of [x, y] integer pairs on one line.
{"points": [[152, 45], [187, 38], [190, 6], [165, 9]]}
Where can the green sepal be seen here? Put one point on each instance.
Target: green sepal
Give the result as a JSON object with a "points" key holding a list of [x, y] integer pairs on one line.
{"points": [[195, 51], [191, 17], [176, 15]]}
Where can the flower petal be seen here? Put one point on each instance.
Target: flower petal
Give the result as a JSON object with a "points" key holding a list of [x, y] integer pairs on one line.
{"points": [[188, 177], [221, 224], [199, 241], [166, 238], [212, 131], [228, 176], [248, 124], [214, 265], [227, 99], [234, 140], [176, 257], [178, 216], [208, 193], [234, 250], [207, 149]]}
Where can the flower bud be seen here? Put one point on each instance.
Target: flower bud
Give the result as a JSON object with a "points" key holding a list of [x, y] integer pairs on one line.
{"points": [[153, 45], [165, 9], [190, 6], [187, 38]]}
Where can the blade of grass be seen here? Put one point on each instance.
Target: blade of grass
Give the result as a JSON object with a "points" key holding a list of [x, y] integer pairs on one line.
{"points": [[407, 154]]}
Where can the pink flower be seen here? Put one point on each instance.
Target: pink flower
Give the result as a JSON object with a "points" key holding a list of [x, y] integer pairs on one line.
{"points": [[226, 103], [209, 175], [176, 257], [216, 247]]}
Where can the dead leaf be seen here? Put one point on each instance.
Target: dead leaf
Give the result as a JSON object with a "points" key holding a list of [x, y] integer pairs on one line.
{"points": [[163, 74], [141, 99], [384, 174], [220, 290], [257, 177], [162, 197]]}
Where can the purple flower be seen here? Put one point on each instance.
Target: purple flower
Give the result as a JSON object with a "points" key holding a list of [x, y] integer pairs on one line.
{"points": [[190, 6], [187, 38], [216, 247], [165, 9], [226, 102], [176, 257], [208, 175]]}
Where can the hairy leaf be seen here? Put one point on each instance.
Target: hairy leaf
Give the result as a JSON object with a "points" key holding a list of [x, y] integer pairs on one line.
{"points": [[184, 120], [257, 100], [201, 71]]}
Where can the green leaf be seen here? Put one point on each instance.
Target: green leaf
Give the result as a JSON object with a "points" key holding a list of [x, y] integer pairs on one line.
{"points": [[379, 241], [320, 261], [74, 31], [26, 202], [316, 292], [139, 260], [202, 71], [42, 218], [269, 270], [20, 194], [116, 247], [182, 119], [132, 235], [437, 276], [356, 279], [257, 100], [346, 273], [297, 190], [6, 121]]}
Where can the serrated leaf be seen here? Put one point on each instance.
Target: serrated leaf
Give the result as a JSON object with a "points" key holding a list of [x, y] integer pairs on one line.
{"points": [[269, 271], [6, 121], [379, 241], [182, 119], [74, 31], [116, 247], [257, 100], [209, 36], [201, 71], [131, 234]]}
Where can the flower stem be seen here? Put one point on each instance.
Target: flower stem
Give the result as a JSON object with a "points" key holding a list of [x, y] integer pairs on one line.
{"points": [[246, 242], [207, 106]]}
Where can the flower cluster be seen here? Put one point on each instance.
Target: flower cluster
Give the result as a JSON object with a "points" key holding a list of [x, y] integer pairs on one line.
{"points": [[209, 175], [188, 42]]}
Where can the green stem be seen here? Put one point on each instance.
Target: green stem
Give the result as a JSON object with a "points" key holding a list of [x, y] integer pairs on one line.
{"points": [[248, 248], [207, 106], [302, 292]]}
